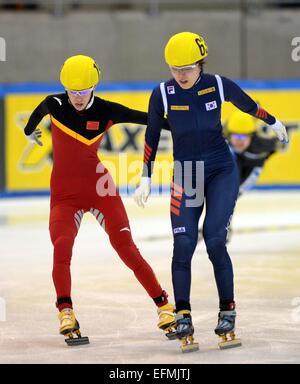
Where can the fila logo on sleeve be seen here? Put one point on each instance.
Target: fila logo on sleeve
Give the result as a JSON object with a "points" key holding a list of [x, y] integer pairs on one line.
{"points": [[211, 105]]}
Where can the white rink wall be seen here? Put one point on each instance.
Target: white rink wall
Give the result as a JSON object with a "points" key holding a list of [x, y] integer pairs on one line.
{"points": [[255, 209]]}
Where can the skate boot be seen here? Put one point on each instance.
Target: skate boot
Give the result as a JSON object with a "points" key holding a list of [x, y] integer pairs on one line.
{"points": [[185, 331], [225, 330], [167, 320], [69, 327]]}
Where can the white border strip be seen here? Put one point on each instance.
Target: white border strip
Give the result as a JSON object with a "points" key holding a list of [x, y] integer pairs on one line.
{"points": [[164, 97], [220, 86]]}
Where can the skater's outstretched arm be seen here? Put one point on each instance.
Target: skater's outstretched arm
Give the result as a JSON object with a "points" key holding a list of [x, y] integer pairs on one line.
{"points": [[234, 94], [35, 118], [155, 122], [122, 114], [34, 134]]}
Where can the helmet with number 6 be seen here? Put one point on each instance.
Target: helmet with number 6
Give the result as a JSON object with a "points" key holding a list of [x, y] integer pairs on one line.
{"points": [[185, 48]]}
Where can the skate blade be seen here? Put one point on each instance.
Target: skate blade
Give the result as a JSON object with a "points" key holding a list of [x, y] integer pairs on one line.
{"points": [[74, 339], [171, 332], [188, 345], [190, 348], [230, 344], [226, 344], [171, 336]]}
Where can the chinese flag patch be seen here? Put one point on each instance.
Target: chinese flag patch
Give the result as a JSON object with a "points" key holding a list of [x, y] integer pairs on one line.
{"points": [[92, 125]]}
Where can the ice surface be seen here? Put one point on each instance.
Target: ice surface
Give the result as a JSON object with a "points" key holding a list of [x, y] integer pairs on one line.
{"points": [[116, 313]]}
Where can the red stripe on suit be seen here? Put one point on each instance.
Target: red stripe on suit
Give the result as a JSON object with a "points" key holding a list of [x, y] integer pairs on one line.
{"points": [[175, 211], [177, 188], [176, 203]]}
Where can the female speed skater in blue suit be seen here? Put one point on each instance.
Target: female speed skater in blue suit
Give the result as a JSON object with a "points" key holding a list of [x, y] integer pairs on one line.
{"points": [[204, 172]]}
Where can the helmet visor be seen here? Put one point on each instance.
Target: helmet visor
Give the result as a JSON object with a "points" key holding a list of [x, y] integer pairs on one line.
{"points": [[83, 92], [184, 69], [239, 136]]}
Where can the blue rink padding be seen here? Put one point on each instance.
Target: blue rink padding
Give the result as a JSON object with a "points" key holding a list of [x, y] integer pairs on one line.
{"points": [[141, 86], [48, 88]]}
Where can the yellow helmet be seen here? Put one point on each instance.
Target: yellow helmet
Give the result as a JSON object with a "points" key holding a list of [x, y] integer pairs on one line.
{"points": [[185, 48], [241, 123], [80, 72]]}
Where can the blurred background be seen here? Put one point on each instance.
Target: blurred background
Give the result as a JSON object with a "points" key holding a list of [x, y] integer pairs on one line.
{"points": [[254, 42], [247, 39]]}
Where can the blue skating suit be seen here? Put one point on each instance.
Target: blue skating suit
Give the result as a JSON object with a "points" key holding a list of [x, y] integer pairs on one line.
{"points": [[194, 116]]}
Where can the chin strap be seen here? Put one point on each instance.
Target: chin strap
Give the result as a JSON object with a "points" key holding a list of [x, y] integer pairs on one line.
{"points": [[91, 101], [199, 78], [200, 74]]}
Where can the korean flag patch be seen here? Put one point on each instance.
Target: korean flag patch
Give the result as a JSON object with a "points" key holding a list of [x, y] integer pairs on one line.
{"points": [[211, 105]]}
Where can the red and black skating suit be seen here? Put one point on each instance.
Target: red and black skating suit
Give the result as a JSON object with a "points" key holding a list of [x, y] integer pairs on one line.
{"points": [[76, 138]]}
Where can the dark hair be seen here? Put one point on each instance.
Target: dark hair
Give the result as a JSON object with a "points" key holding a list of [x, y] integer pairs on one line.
{"points": [[201, 64]]}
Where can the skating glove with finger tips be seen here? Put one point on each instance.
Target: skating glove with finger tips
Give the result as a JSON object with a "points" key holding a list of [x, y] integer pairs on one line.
{"points": [[280, 131], [36, 136], [142, 192]]}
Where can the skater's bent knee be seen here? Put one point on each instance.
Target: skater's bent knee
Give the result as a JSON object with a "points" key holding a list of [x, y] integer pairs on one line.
{"points": [[122, 242], [131, 256], [63, 242], [121, 238], [63, 248], [184, 247], [181, 265], [216, 248], [215, 242]]}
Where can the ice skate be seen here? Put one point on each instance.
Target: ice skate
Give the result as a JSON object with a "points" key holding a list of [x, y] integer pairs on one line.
{"points": [[69, 327], [167, 321], [185, 331], [225, 330]]}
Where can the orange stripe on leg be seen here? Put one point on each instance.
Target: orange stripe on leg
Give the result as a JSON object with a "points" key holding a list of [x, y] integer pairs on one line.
{"points": [[176, 203], [175, 211], [176, 195], [177, 188]]}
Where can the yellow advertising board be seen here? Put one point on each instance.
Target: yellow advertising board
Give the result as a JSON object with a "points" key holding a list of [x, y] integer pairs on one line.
{"points": [[28, 166], [283, 167]]}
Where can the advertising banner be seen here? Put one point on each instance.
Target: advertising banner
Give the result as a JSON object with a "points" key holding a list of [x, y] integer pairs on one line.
{"points": [[28, 166]]}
